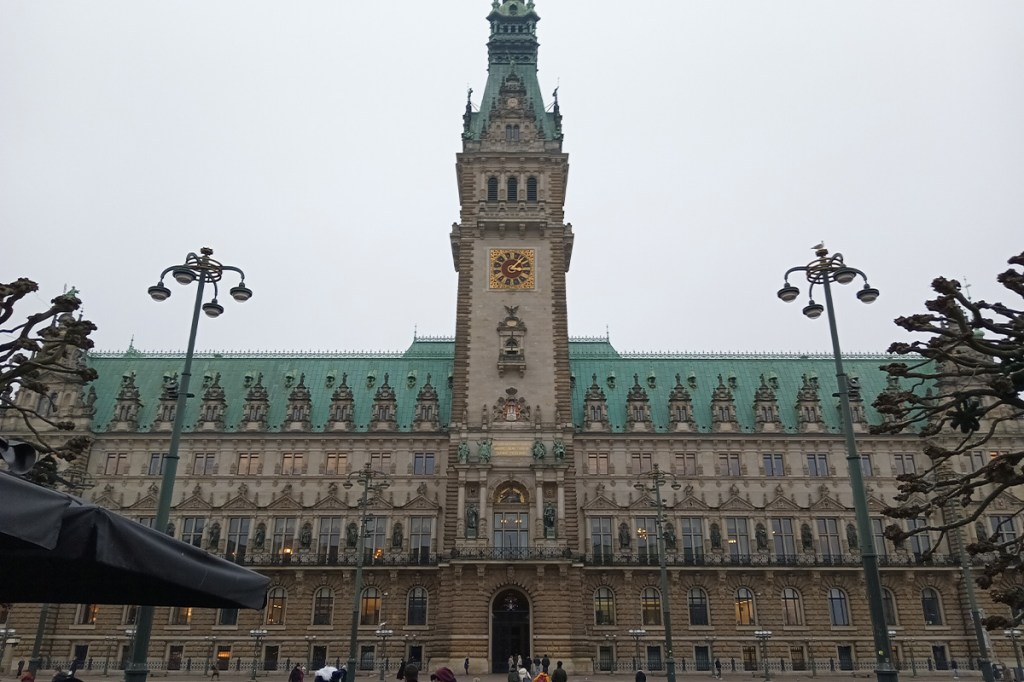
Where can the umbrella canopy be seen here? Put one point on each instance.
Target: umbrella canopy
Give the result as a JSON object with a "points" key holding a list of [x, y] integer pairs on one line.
{"points": [[57, 548]]}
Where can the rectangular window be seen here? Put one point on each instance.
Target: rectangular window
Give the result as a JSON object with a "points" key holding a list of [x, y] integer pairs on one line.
{"points": [[828, 538], [380, 461], [284, 536], [117, 464], [1003, 528], [423, 464], [729, 464], [292, 464], [977, 460], [784, 540], [601, 538], [156, 463], [181, 615], [865, 466], [329, 541], [773, 465], [686, 464], [130, 613], [647, 540], [817, 465], [920, 543], [335, 464], [248, 464], [691, 533], [420, 538], [878, 535], [737, 538], [87, 614], [192, 530], [227, 616], [373, 546], [203, 465], [904, 464], [147, 521], [238, 539], [597, 464], [641, 462], [511, 531]]}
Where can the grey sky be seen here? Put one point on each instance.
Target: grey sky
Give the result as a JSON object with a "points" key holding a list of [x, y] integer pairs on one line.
{"points": [[313, 145]]}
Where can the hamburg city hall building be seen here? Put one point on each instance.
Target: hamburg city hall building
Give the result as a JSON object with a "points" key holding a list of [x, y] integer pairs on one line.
{"points": [[512, 522]]}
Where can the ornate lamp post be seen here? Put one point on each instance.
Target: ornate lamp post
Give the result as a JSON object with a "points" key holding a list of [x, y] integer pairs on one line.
{"points": [[1014, 637], [825, 270], [656, 479], [710, 640], [383, 633], [636, 634], [375, 482], [201, 269], [763, 636], [257, 634]]}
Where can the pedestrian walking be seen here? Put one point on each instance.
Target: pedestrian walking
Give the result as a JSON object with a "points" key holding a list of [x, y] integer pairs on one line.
{"points": [[412, 673], [545, 663], [640, 676], [401, 670], [524, 675], [296, 674], [214, 672], [559, 675], [513, 674], [465, 665], [718, 668]]}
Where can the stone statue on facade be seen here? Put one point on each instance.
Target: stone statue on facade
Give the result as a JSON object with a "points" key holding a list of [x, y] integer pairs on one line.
{"points": [[806, 538], [624, 535], [670, 537], [851, 537], [214, 535], [716, 536], [761, 536], [261, 537], [549, 521], [352, 535], [396, 536], [306, 537], [472, 518]]}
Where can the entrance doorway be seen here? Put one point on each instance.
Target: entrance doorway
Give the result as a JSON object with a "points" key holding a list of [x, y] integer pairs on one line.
{"points": [[510, 629]]}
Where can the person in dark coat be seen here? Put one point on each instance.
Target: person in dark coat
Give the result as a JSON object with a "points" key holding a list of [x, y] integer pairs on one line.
{"points": [[465, 666], [401, 670], [412, 673], [559, 675], [718, 668], [545, 663], [296, 674], [640, 677]]}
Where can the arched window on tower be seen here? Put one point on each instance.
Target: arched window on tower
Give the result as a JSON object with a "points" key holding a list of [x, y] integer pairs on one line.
{"points": [[513, 188], [531, 188], [492, 188]]}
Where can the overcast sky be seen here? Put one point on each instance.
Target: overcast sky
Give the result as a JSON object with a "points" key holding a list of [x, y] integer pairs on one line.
{"points": [[313, 144]]}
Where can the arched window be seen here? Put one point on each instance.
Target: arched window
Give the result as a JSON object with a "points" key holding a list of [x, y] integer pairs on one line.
{"points": [[369, 606], [513, 188], [697, 600], [531, 188], [275, 606], [932, 606], [492, 188], [650, 607], [744, 607], [323, 606], [888, 606], [838, 607], [792, 609], [416, 613], [604, 606]]}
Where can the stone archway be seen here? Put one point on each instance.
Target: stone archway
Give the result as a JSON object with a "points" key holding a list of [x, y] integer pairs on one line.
{"points": [[510, 628]]}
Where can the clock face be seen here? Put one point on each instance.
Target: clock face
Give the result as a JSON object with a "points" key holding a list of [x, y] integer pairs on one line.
{"points": [[512, 269]]}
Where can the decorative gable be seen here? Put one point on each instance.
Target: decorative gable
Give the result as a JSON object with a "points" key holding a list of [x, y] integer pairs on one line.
{"points": [[736, 504], [595, 408], [284, 502], [808, 405], [723, 408], [257, 404], [680, 408], [126, 409], [766, 408], [211, 412], [638, 409], [193, 503], [342, 407], [239, 503], [300, 406], [427, 408], [384, 413], [782, 503]]}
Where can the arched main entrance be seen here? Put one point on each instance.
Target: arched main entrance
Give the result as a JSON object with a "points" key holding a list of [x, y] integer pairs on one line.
{"points": [[510, 628]]}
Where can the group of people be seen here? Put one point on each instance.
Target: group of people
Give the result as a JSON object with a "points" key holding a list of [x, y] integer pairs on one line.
{"points": [[535, 670]]}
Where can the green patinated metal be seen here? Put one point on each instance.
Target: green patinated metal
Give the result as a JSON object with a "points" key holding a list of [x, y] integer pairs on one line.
{"points": [[512, 50], [408, 371]]}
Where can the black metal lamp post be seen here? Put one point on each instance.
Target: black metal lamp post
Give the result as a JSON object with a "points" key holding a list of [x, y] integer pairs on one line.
{"points": [[106, 654], [211, 658], [825, 270], [763, 636], [636, 634], [383, 633], [376, 482], [656, 479], [201, 269], [257, 634], [1014, 636]]}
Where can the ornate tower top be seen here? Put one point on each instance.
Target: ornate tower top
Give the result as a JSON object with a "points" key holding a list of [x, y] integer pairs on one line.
{"points": [[512, 73]]}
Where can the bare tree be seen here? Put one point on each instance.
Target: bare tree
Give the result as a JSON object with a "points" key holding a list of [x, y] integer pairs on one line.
{"points": [[960, 390], [47, 347]]}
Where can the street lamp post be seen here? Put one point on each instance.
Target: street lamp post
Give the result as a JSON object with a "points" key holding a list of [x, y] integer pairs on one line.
{"points": [[210, 659], [383, 633], [711, 654], [825, 270], [1014, 637], [106, 654], [130, 634], [763, 636], [201, 269], [376, 482], [636, 634], [257, 635], [656, 480]]}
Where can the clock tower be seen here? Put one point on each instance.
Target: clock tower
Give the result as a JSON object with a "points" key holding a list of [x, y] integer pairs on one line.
{"points": [[511, 403]]}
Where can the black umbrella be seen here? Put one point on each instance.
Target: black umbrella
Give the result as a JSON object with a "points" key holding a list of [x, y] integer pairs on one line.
{"points": [[57, 548]]}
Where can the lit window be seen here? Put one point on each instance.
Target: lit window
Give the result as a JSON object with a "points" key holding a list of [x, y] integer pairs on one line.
{"points": [[275, 606], [744, 607], [369, 606], [181, 615], [87, 614], [650, 607], [604, 606]]}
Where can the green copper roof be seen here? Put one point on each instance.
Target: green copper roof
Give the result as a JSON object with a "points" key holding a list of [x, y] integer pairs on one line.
{"points": [[512, 49]]}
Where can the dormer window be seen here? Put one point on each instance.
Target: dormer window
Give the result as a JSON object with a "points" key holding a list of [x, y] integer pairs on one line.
{"points": [[531, 189], [492, 188], [595, 413], [513, 186], [682, 414]]}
